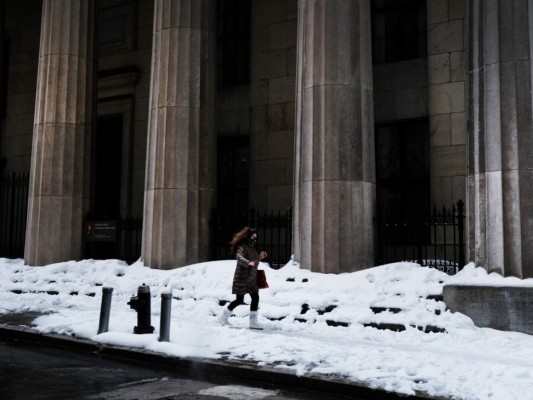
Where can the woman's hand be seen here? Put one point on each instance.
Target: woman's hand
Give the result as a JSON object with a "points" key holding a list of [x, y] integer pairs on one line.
{"points": [[263, 255], [251, 264]]}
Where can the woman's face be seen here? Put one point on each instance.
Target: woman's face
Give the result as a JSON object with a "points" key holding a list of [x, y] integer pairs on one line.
{"points": [[254, 236]]}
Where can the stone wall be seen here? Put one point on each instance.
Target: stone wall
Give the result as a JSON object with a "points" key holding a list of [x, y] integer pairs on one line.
{"points": [[447, 101], [22, 29], [273, 76], [503, 308]]}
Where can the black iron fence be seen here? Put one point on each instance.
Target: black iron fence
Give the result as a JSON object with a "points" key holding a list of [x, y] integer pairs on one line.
{"points": [[274, 232], [435, 241], [120, 239], [13, 210]]}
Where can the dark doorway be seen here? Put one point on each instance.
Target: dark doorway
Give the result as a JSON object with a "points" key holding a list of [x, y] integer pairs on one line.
{"points": [[402, 168], [107, 167], [232, 190], [106, 189]]}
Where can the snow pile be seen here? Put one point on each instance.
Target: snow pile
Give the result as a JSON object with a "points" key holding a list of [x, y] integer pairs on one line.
{"points": [[472, 276], [318, 323]]}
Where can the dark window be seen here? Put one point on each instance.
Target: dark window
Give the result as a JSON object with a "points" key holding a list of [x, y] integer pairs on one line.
{"points": [[233, 42], [399, 30], [402, 166]]}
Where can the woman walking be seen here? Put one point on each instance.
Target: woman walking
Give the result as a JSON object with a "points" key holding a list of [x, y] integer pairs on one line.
{"points": [[245, 278]]}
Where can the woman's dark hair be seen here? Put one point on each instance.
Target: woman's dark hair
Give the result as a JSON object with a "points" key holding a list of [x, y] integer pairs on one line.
{"points": [[244, 234]]}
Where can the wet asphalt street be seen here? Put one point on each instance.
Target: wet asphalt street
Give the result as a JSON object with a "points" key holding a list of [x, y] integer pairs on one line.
{"points": [[34, 372]]}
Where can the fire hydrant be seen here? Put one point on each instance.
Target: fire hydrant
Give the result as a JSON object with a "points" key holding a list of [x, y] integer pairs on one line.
{"points": [[141, 304]]}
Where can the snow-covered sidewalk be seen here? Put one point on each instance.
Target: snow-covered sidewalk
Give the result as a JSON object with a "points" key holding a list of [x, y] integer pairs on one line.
{"points": [[318, 323]]}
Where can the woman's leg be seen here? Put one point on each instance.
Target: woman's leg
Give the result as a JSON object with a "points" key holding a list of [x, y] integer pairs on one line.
{"points": [[255, 301], [237, 302]]}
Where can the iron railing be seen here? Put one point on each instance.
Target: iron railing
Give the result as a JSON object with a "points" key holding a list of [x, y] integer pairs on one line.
{"points": [[274, 232], [13, 213], [435, 241]]}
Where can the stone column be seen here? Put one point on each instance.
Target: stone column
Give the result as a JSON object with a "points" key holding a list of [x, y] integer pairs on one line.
{"points": [[334, 146], [500, 126], [61, 133], [181, 151]]}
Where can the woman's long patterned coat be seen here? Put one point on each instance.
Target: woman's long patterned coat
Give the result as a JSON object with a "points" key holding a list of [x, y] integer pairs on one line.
{"points": [[245, 278]]}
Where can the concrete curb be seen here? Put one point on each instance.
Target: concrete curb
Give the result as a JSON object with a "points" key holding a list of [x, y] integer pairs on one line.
{"points": [[203, 368]]}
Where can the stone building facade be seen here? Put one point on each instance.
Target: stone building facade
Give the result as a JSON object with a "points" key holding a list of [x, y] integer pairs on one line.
{"points": [[184, 111]]}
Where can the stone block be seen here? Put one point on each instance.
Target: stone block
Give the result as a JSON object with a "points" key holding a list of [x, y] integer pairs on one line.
{"points": [[437, 11], [439, 130], [259, 146], [258, 198], [291, 109], [291, 61], [144, 37], [279, 198], [258, 119], [140, 131], [448, 160], [292, 9], [447, 98], [459, 188], [502, 308], [445, 37], [459, 133], [280, 144], [259, 39], [259, 92], [439, 68], [276, 117], [22, 103], [442, 191], [267, 172], [139, 157], [269, 65], [141, 108], [24, 124], [282, 35], [282, 90], [145, 13], [266, 12], [456, 9], [17, 145], [458, 66], [289, 178]]}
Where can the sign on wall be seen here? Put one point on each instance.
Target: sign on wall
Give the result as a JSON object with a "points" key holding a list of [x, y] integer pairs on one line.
{"points": [[100, 231]]}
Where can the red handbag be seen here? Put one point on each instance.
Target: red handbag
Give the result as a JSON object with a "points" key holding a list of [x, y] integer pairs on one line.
{"points": [[261, 279]]}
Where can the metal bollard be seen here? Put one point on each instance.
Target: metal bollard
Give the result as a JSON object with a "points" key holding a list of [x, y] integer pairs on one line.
{"points": [[164, 328], [141, 304], [105, 310]]}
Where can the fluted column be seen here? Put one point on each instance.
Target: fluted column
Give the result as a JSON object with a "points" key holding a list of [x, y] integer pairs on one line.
{"points": [[61, 133], [500, 171], [334, 145], [181, 154]]}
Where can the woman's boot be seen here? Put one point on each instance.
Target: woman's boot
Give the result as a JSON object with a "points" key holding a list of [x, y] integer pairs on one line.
{"points": [[253, 321], [223, 318]]}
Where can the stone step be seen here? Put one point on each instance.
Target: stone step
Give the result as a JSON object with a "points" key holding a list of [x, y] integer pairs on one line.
{"points": [[401, 327], [378, 310]]}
